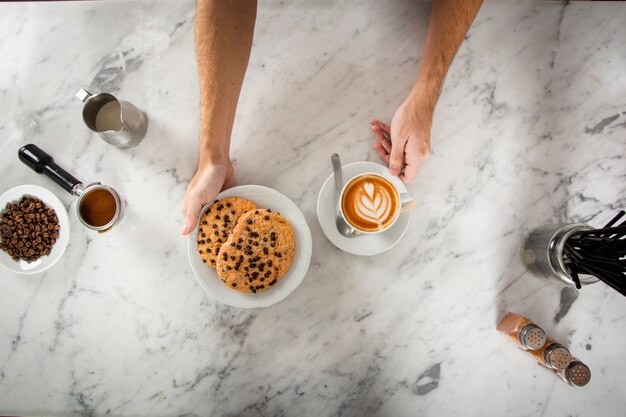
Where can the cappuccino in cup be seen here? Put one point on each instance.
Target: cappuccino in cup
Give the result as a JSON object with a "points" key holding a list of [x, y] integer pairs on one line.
{"points": [[370, 203]]}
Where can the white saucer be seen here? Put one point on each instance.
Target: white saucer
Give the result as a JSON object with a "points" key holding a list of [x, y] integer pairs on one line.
{"points": [[52, 201], [263, 197], [364, 245]]}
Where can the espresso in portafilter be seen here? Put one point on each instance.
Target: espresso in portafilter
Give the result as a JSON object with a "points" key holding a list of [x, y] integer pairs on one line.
{"points": [[370, 202]]}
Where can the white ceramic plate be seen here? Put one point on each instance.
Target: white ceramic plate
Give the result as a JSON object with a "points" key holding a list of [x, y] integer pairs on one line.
{"points": [[263, 197], [366, 244], [52, 201]]}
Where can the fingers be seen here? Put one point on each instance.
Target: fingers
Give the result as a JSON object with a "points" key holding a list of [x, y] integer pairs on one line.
{"points": [[380, 137], [415, 161], [396, 157], [191, 214], [382, 152], [410, 171], [184, 212], [385, 127]]}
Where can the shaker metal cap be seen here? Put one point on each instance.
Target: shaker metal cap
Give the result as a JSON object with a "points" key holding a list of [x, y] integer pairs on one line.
{"points": [[578, 374], [532, 336], [557, 356]]}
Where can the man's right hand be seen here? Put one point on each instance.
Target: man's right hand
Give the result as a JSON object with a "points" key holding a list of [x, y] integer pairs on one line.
{"points": [[205, 185]]}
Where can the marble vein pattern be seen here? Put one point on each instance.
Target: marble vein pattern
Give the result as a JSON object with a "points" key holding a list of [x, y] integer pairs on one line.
{"points": [[530, 128]]}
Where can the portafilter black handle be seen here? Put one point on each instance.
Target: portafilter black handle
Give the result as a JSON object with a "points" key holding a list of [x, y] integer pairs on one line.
{"points": [[42, 163]]}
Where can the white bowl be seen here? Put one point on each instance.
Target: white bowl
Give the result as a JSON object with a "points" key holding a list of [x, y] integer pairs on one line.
{"points": [[52, 201], [263, 197]]}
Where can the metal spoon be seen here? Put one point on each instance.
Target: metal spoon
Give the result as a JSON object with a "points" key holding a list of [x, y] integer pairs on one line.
{"points": [[342, 226]]}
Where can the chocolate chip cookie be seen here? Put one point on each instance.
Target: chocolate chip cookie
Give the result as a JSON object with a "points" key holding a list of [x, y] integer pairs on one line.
{"points": [[258, 252], [216, 224]]}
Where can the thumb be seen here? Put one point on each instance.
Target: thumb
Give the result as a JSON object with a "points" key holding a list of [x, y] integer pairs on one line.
{"points": [[396, 157], [191, 214]]}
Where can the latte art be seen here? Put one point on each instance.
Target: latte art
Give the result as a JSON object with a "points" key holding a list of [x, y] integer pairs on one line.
{"points": [[370, 202]]}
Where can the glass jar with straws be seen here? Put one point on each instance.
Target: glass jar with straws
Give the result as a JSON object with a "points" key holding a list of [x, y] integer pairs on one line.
{"points": [[577, 254]]}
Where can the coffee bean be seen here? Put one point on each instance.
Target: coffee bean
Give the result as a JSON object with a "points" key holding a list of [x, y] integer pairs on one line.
{"points": [[28, 229]]}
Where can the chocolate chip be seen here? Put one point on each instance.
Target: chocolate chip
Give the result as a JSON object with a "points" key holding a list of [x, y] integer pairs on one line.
{"points": [[261, 267], [266, 217], [247, 229], [261, 286], [265, 251], [270, 263], [228, 267], [220, 207], [232, 212], [262, 279], [264, 239], [232, 258], [253, 265], [228, 204], [278, 255], [203, 234], [204, 222], [272, 283], [248, 252], [200, 251], [226, 218], [218, 217], [225, 256], [256, 211], [273, 244], [209, 250], [255, 275], [204, 260], [267, 274], [239, 240], [215, 233], [249, 222], [232, 244], [234, 284], [214, 226], [238, 246]]}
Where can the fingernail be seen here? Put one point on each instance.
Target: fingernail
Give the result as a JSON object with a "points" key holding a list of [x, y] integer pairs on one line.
{"points": [[184, 229]]}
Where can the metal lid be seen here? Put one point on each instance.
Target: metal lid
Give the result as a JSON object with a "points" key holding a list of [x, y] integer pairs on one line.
{"points": [[557, 356], [578, 374], [532, 336]]}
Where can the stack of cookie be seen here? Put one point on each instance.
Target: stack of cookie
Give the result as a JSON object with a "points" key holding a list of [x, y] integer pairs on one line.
{"points": [[250, 248]]}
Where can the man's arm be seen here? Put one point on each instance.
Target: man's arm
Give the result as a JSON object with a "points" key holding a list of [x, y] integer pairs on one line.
{"points": [[223, 32], [410, 126]]}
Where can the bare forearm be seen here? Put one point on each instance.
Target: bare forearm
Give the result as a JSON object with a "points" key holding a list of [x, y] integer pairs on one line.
{"points": [[223, 34], [449, 22]]}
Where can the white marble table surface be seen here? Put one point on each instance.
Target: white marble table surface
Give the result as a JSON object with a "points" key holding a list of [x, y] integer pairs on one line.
{"points": [[530, 129]]}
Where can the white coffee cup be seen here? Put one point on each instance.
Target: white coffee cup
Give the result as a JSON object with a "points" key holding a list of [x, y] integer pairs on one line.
{"points": [[403, 202]]}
